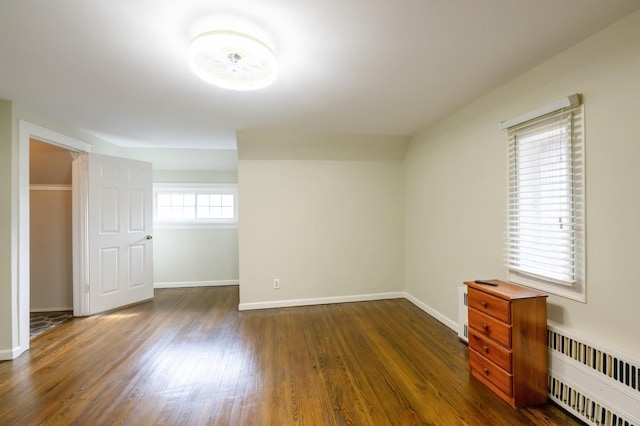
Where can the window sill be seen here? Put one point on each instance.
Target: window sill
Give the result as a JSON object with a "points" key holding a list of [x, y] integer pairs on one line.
{"points": [[576, 292], [195, 226]]}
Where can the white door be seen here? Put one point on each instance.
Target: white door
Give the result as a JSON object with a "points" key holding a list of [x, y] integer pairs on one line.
{"points": [[120, 249]]}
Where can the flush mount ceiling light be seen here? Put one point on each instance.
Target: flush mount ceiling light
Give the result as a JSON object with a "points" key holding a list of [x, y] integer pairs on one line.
{"points": [[233, 60]]}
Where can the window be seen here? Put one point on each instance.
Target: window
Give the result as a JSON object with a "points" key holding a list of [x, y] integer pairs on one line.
{"points": [[195, 204], [545, 215]]}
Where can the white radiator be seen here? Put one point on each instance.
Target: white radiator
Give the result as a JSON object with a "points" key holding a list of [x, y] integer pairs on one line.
{"points": [[463, 317], [600, 386]]}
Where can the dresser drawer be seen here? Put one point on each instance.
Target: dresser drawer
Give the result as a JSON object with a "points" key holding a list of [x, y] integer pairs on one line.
{"points": [[490, 349], [490, 305], [491, 372], [491, 327]]}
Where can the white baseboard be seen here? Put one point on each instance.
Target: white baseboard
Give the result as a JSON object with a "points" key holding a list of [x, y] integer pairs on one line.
{"points": [[437, 315], [195, 284], [355, 298], [320, 301], [67, 308], [9, 354]]}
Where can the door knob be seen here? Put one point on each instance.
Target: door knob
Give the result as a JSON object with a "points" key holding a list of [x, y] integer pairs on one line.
{"points": [[149, 237]]}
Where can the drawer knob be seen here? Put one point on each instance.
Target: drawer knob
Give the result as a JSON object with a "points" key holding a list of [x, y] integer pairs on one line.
{"points": [[485, 327], [485, 349], [486, 371], [484, 304]]}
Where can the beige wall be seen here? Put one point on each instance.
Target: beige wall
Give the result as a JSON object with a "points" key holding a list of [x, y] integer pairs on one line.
{"points": [[51, 252], [49, 164], [455, 181], [51, 258], [195, 255], [191, 176], [173, 159], [8, 231], [326, 228]]}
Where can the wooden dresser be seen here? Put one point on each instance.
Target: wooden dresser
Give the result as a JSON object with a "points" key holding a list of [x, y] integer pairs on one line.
{"points": [[508, 341]]}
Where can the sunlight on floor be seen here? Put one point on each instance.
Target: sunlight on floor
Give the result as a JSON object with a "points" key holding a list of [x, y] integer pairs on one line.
{"points": [[184, 369]]}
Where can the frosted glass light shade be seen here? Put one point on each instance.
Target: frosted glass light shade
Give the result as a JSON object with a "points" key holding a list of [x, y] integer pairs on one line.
{"points": [[232, 60]]}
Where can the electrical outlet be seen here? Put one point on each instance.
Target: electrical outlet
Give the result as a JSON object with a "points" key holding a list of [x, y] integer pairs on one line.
{"points": [[276, 283]]}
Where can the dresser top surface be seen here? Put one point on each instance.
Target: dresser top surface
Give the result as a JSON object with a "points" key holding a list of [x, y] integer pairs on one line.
{"points": [[505, 290]]}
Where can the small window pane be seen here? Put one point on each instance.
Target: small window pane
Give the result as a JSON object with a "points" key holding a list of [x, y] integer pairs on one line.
{"points": [[227, 200], [164, 200], [215, 200], [203, 199], [189, 212], [216, 213], [227, 212], [190, 200], [203, 212], [176, 212], [164, 212], [177, 200]]}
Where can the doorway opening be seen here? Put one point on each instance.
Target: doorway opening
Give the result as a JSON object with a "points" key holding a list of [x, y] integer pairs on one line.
{"points": [[21, 310], [51, 234]]}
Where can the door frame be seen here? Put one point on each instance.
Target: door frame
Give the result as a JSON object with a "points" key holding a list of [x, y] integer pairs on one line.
{"points": [[21, 300]]}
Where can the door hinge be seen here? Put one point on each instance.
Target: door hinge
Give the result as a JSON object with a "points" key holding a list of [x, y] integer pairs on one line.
{"points": [[86, 288]]}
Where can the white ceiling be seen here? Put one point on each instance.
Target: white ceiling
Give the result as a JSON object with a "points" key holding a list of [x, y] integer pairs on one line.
{"points": [[118, 69]]}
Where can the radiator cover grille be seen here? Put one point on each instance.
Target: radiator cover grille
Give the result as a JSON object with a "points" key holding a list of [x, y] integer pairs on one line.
{"points": [[463, 314], [599, 360], [582, 406], [598, 385]]}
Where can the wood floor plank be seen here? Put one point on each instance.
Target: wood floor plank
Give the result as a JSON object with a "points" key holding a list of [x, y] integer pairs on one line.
{"points": [[190, 357]]}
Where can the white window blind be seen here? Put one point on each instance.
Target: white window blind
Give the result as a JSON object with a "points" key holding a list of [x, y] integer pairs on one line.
{"points": [[545, 217]]}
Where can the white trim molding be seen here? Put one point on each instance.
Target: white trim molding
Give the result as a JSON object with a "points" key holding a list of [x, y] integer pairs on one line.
{"points": [[429, 310], [566, 102], [320, 301], [7, 355], [29, 130], [219, 226], [354, 298], [49, 187], [184, 284], [60, 309]]}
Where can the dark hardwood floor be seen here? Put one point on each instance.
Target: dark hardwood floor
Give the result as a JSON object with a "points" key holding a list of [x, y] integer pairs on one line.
{"points": [[190, 357]]}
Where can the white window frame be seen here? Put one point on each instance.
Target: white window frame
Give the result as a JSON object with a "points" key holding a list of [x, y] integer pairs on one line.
{"points": [[195, 188], [570, 119]]}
